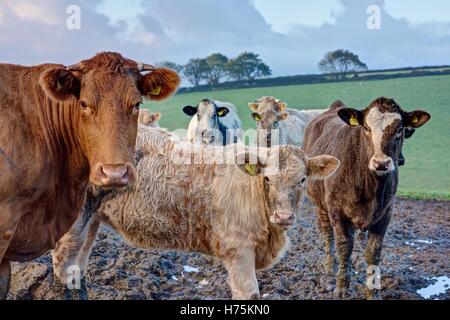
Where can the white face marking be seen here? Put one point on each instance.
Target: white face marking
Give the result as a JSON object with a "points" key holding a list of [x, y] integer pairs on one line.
{"points": [[205, 112], [378, 122]]}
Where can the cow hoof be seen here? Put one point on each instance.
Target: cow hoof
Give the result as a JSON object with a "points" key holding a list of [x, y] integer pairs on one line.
{"points": [[373, 294], [341, 293]]}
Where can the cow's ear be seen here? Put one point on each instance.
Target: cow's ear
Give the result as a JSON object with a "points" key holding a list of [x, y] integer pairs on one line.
{"points": [[155, 117], [321, 167], [351, 116], [60, 84], [282, 116], [159, 84], [190, 110], [281, 106], [147, 118], [222, 111], [416, 119], [253, 106]]}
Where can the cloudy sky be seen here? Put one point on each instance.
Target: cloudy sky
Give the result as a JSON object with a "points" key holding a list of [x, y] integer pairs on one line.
{"points": [[290, 35]]}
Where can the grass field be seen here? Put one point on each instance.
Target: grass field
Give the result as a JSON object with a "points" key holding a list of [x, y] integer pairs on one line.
{"points": [[427, 171]]}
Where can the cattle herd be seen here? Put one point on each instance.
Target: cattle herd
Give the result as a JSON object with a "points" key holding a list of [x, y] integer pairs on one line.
{"points": [[76, 151]]}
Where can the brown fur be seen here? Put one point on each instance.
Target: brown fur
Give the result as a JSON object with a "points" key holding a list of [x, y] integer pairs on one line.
{"points": [[60, 128], [356, 196]]}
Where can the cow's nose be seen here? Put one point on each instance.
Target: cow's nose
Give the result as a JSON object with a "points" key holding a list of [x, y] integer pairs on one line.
{"points": [[382, 165], [112, 175], [401, 159], [282, 218], [269, 134]]}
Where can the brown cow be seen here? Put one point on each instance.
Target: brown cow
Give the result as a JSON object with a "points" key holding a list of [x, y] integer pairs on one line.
{"points": [[235, 212], [360, 195], [61, 127]]}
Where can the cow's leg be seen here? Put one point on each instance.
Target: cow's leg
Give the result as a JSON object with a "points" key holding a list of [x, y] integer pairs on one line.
{"points": [[327, 233], [9, 219], [373, 255], [67, 250], [343, 234], [5, 278], [242, 274]]}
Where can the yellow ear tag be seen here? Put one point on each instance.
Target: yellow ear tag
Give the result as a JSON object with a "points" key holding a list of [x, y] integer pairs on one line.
{"points": [[251, 168], [353, 121], [415, 119], [220, 113], [257, 118], [156, 91]]}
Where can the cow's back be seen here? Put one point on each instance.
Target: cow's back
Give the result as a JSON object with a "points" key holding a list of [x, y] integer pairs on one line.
{"points": [[169, 206], [328, 134]]}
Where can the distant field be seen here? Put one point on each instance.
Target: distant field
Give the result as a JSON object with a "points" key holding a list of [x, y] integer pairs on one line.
{"points": [[427, 170]]}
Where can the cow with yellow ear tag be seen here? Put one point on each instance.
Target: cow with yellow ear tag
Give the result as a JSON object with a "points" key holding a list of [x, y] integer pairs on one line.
{"points": [[213, 123]]}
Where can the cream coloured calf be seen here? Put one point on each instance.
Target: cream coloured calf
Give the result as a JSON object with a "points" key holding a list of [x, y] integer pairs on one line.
{"points": [[235, 211]]}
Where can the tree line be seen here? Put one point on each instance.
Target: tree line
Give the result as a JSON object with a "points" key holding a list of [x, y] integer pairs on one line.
{"points": [[217, 67]]}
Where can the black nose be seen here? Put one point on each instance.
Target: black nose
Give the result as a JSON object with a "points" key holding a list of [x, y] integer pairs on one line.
{"points": [[401, 159], [269, 135]]}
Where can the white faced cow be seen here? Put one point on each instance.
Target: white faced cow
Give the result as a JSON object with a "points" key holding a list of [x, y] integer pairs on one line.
{"points": [[213, 122]]}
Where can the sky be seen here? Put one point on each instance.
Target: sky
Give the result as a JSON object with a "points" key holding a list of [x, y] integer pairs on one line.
{"points": [[291, 36]]}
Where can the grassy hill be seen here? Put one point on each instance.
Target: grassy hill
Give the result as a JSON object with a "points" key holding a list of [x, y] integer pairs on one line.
{"points": [[427, 170]]}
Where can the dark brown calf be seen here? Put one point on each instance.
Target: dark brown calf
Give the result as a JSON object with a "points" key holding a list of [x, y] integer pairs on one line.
{"points": [[360, 195], [61, 127]]}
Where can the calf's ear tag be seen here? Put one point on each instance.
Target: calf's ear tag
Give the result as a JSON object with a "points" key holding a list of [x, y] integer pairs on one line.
{"points": [[250, 168], [220, 113], [258, 117], [353, 121], [414, 119], [155, 91]]}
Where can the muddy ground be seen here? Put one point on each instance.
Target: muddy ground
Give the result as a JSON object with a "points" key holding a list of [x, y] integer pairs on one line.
{"points": [[417, 248]]}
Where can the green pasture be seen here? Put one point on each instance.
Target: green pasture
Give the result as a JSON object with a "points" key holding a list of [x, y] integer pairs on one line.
{"points": [[426, 173]]}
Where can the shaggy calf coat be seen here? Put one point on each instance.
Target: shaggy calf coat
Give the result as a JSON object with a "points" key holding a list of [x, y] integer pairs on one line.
{"points": [[187, 198]]}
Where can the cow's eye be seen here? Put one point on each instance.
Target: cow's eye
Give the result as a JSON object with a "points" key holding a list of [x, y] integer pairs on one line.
{"points": [[198, 116], [399, 133], [303, 180], [137, 105], [83, 105]]}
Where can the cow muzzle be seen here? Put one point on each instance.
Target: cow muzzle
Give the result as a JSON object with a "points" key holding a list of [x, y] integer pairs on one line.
{"points": [[282, 218], [113, 175], [381, 166]]}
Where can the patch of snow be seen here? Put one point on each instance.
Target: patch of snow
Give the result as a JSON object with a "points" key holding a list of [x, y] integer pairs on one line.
{"points": [[410, 268], [409, 243], [174, 278], [441, 285], [190, 269], [204, 282], [265, 295], [424, 241]]}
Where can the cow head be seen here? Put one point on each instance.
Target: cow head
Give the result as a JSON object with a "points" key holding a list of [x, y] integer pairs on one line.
{"points": [[149, 119], [267, 113], [383, 124], [284, 173], [267, 124], [208, 127], [104, 94]]}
